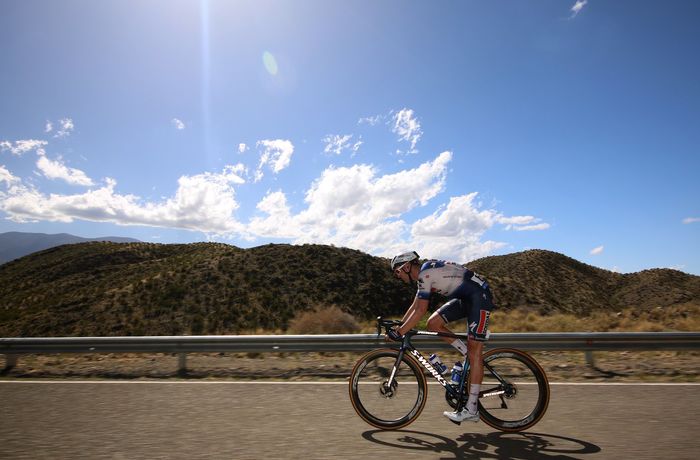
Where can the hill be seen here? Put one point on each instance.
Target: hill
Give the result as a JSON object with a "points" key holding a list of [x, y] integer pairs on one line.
{"points": [[14, 245], [102, 288], [202, 288], [552, 282]]}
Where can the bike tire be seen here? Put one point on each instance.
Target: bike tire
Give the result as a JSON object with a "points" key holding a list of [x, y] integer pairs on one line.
{"points": [[523, 374], [365, 387]]}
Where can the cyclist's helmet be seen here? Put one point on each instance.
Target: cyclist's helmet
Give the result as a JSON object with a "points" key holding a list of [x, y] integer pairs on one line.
{"points": [[401, 259]]}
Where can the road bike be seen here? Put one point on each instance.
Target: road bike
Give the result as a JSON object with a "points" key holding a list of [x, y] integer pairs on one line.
{"points": [[388, 387]]}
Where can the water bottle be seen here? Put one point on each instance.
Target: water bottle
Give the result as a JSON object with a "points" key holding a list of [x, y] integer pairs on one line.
{"points": [[457, 372], [437, 363]]}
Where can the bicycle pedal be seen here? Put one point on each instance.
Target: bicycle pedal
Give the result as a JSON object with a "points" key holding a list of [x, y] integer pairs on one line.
{"points": [[456, 423]]}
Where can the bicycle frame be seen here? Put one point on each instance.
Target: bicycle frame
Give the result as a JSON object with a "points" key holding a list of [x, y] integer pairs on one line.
{"points": [[515, 367], [406, 346]]}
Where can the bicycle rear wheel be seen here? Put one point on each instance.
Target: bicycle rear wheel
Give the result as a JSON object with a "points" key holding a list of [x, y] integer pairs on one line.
{"points": [[381, 405], [515, 393]]}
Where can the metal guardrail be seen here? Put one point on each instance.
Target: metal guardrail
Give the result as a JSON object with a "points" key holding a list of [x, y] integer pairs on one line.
{"points": [[181, 345], [568, 341]]}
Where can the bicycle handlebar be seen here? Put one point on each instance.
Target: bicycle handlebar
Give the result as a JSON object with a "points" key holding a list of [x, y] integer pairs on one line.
{"points": [[386, 324]]}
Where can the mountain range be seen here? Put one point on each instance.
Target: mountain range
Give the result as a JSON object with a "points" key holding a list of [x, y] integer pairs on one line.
{"points": [[108, 289], [14, 245]]}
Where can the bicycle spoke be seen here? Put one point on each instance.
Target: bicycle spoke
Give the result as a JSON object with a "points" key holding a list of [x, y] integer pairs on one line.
{"points": [[385, 402], [516, 392]]}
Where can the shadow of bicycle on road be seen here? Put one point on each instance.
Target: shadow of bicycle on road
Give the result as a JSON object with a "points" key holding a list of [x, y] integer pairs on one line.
{"points": [[521, 446]]}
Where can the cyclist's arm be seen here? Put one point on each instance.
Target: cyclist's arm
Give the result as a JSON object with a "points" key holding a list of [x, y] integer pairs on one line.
{"points": [[413, 315]]}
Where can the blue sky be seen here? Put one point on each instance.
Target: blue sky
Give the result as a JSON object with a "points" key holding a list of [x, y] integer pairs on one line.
{"points": [[460, 129]]}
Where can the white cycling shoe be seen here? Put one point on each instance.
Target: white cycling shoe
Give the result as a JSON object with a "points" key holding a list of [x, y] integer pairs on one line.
{"points": [[462, 416]]}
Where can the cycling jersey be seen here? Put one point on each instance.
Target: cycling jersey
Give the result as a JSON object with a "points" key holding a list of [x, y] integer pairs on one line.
{"points": [[469, 294]]}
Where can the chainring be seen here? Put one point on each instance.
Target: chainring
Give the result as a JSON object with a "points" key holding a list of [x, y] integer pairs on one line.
{"points": [[452, 401]]}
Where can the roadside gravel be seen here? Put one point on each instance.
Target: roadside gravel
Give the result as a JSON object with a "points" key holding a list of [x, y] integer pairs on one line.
{"points": [[669, 366]]}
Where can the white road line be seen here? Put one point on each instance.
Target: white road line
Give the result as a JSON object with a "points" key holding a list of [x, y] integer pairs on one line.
{"points": [[282, 382]]}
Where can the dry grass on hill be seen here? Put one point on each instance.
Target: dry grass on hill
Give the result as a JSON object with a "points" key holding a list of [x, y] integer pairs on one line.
{"points": [[677, 318], [674, 318]]}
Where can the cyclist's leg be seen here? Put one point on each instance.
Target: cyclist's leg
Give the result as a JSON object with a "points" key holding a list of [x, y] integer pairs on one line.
{"points": [[481, 305], [476, 365], [450, 311]]}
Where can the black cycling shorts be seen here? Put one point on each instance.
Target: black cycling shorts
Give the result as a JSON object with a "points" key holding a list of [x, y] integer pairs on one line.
{"points": [[476, 306]]}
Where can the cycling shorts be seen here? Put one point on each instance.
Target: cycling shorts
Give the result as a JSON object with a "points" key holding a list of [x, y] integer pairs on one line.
{"points": [[476, 305]]}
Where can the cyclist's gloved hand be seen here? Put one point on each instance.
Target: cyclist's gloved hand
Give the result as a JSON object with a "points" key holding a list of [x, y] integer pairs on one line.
{"points": [[394, 335]]}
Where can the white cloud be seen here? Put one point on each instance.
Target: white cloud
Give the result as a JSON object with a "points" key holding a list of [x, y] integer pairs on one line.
{"points": [[358, 208], [7, 177], [242, 148], [691, 220], [57, 170], [179, 124], [66, 127], [578, 6], [353, 206], [204, 202], [455, 231], [597, 250], [336, 143], [21, 147], [534, 227], [523, 223], [356, 146], [276, 154], [278, 223], [407, 127], [459, 216], [372, 121]]}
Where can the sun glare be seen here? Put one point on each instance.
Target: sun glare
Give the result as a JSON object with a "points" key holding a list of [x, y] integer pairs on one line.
{"points": [[270, 63]]}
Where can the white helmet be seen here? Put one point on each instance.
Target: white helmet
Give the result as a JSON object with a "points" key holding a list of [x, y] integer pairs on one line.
{"points": [[403, 258]]}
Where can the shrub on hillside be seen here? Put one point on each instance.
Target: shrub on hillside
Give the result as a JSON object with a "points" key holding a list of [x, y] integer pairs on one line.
{"points": [[324, 320]]}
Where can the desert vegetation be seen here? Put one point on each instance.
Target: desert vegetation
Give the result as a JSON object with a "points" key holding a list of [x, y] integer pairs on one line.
{"points": [[110, 289]]}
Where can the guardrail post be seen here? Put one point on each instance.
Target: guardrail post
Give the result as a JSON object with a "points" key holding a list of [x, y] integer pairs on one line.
{"points": [[10, 362], [589, 358], [591, 363], [182, 363]]}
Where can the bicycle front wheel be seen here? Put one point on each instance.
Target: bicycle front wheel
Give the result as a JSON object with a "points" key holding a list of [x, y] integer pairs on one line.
{"points": [[383, 405], [514, 393]]}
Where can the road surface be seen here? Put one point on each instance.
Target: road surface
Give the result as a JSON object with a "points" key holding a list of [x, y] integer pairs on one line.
{"points": [[252, 420]]}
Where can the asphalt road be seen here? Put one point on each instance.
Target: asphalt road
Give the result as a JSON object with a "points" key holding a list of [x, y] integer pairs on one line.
{"points": [[197, 419]]}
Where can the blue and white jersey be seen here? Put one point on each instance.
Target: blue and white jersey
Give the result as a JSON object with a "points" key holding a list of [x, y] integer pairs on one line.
{"points": [[446, 278]]}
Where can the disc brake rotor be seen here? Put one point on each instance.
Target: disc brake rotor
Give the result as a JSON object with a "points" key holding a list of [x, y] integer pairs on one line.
{"points": [[388, 391]]}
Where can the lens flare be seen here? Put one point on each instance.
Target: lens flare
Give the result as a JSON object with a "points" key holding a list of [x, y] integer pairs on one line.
{"points": [[270, 63]]}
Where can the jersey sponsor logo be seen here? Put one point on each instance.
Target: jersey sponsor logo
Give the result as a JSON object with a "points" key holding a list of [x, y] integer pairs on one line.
{"points": [[478, 279], [483, 322]]}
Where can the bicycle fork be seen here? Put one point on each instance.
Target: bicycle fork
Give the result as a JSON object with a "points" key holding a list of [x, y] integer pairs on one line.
{"points": [[399, 358]]}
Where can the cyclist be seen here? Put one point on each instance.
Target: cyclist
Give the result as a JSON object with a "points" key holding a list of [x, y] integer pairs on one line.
{"points": [[469, 297]]}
